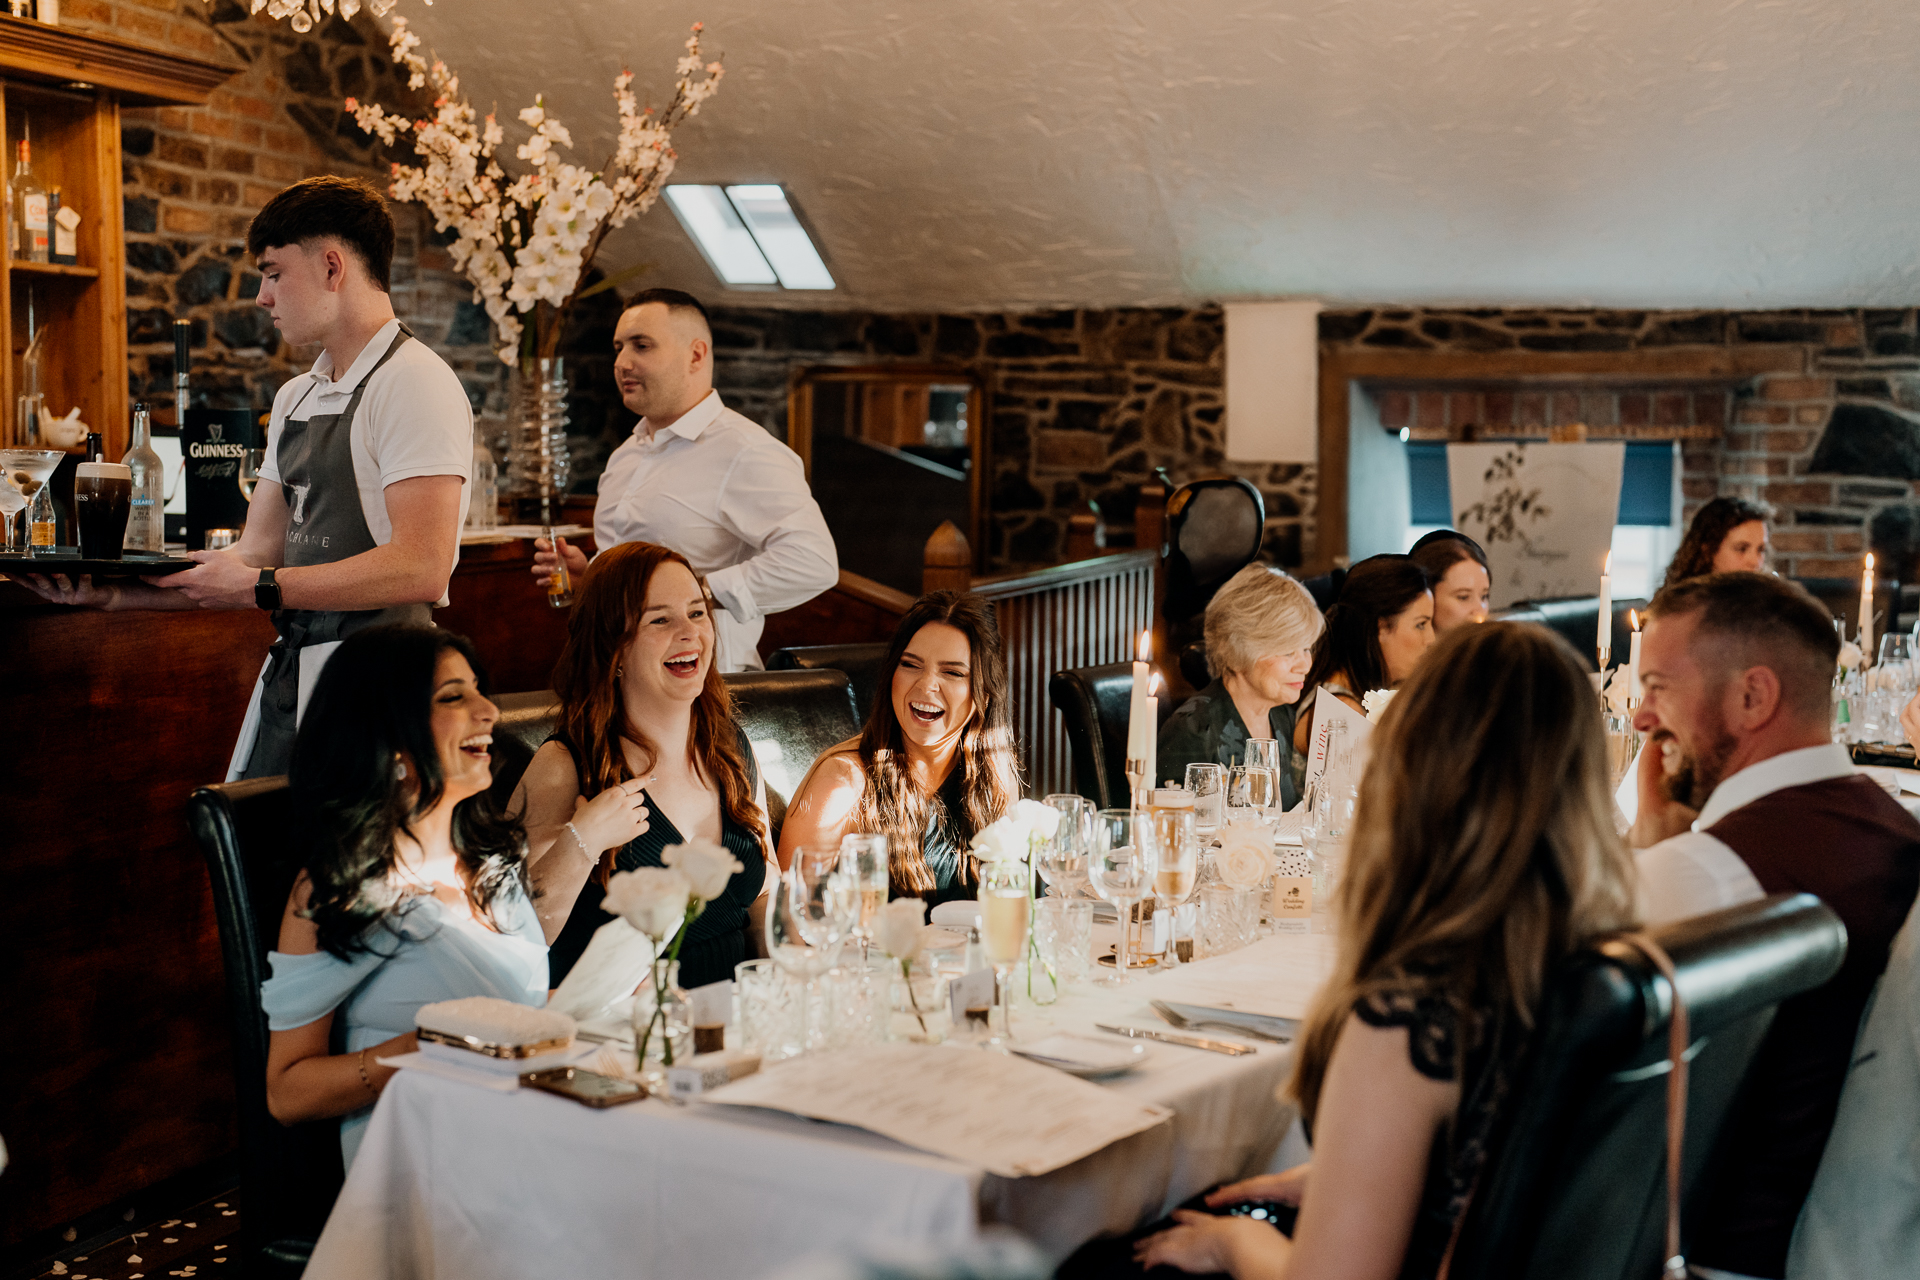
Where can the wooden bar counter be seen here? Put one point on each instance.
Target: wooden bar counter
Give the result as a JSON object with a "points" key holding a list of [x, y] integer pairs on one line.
{"points": [[117, 1071]]}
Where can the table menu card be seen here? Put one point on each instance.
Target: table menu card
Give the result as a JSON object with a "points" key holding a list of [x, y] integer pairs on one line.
{"points": [[1279, 976], [1011, 1117]]}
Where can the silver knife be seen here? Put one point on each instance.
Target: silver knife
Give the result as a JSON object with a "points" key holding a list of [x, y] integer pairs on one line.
{"points": [[1192, 1042]]}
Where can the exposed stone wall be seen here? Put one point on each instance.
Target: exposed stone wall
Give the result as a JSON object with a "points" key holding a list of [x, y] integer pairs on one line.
{"points": [[1083, 405], [194, 178], [1831, 438]]}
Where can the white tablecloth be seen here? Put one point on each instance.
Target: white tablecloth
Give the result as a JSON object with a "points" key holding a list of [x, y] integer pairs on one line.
{"points": [[454, 1181]]}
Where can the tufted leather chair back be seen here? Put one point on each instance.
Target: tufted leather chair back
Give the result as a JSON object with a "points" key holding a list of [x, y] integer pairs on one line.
{"points": [[1214, 529], [1577, 618], [861, 662], [1094, 702], [1576, 1187], [289, 1175]]}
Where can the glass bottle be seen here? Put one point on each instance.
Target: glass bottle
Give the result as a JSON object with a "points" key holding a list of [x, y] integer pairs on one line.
{"points": [[146, 525], [43, 521], [29, 208]]}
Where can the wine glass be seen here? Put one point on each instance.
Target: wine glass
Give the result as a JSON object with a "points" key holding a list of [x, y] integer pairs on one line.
{"points": [[1179, 867], [863, 859], [1063, 859], [1120, 865], [251, 460], [808, 919], [1208, 783], [1006, 908]]}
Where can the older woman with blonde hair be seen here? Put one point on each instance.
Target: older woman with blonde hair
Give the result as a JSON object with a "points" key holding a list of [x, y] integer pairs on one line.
{"points": [[1260, 629], [1471, 872]]}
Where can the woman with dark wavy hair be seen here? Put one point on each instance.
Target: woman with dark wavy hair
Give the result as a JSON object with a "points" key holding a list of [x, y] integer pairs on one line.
{"points": [[936, 760], [647, 755], [414, 884], [1728, 535], [1377, 631]]}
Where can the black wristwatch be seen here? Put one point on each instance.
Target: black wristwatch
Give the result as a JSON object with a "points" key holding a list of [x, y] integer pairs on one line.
{"points": [[266, 592]]}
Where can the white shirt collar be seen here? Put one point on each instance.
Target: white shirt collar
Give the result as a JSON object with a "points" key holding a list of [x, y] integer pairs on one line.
{"points": [[688, 425], [1775, 773], [362, 364]]}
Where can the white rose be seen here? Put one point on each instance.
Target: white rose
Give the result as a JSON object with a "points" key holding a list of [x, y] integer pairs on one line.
{"points": [[1041, 820], [900, 929], [706, 865], [1375, 701], [1002, 841], [1246, 855], [651, 899], [1850, 656]]}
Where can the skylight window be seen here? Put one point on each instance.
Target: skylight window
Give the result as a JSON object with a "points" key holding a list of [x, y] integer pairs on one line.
{"points": [[750, 235]]}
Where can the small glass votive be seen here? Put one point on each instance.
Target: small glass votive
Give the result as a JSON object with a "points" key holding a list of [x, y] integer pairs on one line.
{"points": [[221, 539], [1229, 919], [769, 1010], [1063, 935]]}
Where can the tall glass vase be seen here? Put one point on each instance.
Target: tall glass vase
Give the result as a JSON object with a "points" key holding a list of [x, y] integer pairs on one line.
{"points": [[539, 463]]}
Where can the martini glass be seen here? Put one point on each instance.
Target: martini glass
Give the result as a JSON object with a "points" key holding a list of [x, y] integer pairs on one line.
{"points": [[12, 501], [29, 470]]}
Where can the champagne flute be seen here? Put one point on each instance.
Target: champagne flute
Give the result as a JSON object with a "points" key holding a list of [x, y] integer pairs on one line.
{"points": [[1006, 908], [1179, 867], [1121, 865], [863, 858], [1063, 860]]}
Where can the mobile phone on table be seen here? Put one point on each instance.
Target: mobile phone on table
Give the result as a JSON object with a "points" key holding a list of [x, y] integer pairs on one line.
{"points": [[589, 1088], [1275, 1214]]}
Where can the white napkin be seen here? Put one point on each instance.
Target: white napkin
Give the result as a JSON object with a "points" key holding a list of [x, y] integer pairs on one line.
{"points": [[616, 961]]}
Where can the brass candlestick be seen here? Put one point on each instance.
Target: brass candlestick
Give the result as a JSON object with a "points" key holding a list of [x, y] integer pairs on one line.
{"points": [[1136, 777]]}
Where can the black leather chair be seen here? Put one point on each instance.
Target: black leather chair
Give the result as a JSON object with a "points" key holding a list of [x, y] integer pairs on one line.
{"points": [[289, 1175], [861, 662], [1576, 1188], [790, 718], [1577, 618], [1214, 530], [1094, 702], [526, 721]]}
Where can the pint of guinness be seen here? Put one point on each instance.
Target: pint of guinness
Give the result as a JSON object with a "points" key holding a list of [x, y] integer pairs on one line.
{"points": [[102, 497]]}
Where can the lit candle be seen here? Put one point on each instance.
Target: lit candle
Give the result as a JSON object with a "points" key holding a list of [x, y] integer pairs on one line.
{"points": [[1633, 657], [1866, 610], [1604, 640], [1141, 730], [1153, 727]]}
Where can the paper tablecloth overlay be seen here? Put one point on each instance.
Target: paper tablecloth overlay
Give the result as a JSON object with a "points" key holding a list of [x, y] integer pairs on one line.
{"points": [[1011, 1117]]}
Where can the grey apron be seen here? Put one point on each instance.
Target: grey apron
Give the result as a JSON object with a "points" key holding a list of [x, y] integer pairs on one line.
{"points": [[325, 523]]}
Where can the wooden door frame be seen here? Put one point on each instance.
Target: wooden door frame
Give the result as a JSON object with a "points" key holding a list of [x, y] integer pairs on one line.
{"points": [[800, 423], [1341, 368]]}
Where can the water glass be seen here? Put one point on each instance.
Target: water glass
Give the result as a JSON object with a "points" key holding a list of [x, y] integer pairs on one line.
{"points": [[1252, 793], [1264, 753], [768, 1021], [1121, 866], [1208, 784], [1063, 935], [1229, 919], [858, 997], [1328, 826]]}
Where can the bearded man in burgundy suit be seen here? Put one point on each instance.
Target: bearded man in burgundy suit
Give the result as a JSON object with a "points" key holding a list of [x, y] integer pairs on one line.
{"points": [[1743, 793]]}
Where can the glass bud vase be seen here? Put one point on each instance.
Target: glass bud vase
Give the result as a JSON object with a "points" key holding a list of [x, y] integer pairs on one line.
{"points": [[917, 1012], [663, 1043], [538, 458]]}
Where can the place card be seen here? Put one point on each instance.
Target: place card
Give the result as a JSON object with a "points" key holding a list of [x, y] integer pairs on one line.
{"points": [[998, 1112]]}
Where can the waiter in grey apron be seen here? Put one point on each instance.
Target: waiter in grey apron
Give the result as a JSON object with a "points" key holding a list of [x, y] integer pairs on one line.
{"points": [[325, 524], [356, 517]]}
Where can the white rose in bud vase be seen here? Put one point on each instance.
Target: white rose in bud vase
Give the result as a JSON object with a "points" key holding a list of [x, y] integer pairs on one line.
{"points": [[651, 899], [901, 929], [1246, 855], [1041, 820], [1375, 701], [1002, 841], [1617, 691], [1850, 656], [706, 865]]}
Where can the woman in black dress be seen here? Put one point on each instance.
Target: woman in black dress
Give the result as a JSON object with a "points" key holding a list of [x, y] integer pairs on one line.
{"points": [[936, 760], [1484, 852], [647, 755]]}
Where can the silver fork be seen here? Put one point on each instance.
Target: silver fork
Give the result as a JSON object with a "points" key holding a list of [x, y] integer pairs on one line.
{"points": [[1234, 1028]]}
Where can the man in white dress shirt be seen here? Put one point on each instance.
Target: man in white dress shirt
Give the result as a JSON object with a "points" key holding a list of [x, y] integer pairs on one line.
{"points": [[1737, 672], [706, 481]]}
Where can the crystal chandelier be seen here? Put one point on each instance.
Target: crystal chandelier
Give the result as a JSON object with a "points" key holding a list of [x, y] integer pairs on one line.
{"points": [[302, 15]]}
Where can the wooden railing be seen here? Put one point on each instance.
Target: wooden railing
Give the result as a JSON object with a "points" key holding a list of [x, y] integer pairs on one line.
{"points": [[1080, 614]]}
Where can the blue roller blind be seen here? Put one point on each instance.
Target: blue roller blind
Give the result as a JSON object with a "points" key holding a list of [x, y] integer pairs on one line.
{"points": [[1646, 484]]}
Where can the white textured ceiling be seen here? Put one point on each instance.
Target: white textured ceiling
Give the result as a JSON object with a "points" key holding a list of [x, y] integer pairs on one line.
{"points": [[978, 154]]}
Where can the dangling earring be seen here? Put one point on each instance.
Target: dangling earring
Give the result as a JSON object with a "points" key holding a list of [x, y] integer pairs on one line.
{"points": [[399, 768], [616, 672]]}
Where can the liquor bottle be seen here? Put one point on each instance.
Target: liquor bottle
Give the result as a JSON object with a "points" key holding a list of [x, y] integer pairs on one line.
{"points": [[182, 357], [96, 447], [41, 518], [30, 218], [146, 521], [560, 585]]}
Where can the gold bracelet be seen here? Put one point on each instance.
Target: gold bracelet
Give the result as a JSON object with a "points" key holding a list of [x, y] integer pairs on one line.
{"points": [[364, 1079]]}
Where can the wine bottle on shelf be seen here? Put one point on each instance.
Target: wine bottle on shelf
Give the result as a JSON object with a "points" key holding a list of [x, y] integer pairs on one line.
{"points": [[182, 358], [30, 217], [96, 447], [146, 519]]}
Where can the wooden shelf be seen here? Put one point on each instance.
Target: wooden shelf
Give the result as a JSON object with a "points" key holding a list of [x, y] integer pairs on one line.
{"points": [[137, 76], [21, 266]]}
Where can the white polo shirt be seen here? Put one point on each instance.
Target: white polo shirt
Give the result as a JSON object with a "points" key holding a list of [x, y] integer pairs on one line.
{"points": [[1694, 873], [734, 501], [414, 420]]}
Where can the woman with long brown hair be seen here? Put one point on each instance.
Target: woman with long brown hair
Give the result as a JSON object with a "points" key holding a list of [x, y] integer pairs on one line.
{"points": [[1728, 535], [1473, 868], [935, 762], [647, 755]]}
